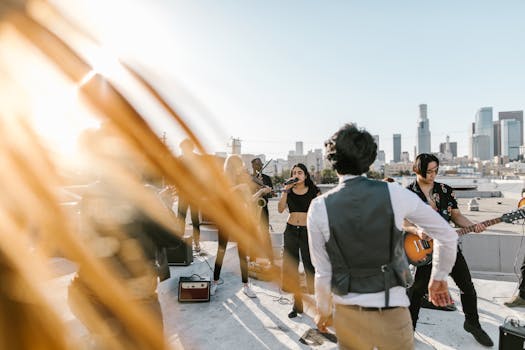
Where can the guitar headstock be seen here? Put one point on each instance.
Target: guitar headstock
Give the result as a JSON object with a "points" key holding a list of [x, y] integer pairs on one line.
{"points": [[515, 215]]}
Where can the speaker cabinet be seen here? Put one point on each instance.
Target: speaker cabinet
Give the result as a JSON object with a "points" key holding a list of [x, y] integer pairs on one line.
{"points": [[194, 288], [511, 335], [181, 254]]}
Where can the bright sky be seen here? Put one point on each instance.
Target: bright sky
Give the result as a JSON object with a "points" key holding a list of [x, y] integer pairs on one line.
{"points": [[274, 72]]}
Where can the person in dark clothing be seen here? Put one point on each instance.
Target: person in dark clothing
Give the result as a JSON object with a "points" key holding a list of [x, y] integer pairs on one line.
{"points": [[519, 300], [442, 199], [189, 157], [260, 180], [297, 197]]}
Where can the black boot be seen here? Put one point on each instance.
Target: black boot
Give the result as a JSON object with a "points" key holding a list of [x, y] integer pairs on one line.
{"points": [[479, 334], [295, 311]]}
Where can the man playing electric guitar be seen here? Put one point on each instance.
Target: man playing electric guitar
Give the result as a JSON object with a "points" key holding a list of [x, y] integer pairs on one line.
{"points": [[442, 199]]}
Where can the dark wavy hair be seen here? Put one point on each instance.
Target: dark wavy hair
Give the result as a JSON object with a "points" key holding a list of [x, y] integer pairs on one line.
{"points": [[351, 150], [308, 182], [421, 163]]}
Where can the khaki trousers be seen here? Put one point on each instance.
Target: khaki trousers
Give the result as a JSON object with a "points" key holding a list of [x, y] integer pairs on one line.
{"points": [[364, 329]]}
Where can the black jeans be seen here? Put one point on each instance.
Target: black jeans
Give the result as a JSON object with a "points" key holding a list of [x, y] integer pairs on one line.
{"points": [[522, 280], [295, 241], [221, 250], [461, 276], [182, 211]]}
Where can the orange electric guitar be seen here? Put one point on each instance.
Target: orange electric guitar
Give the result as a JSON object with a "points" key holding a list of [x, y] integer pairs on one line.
{"points": [[419, 251]]}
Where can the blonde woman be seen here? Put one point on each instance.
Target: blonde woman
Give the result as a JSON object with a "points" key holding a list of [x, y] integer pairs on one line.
{"points": [[236, 172]]}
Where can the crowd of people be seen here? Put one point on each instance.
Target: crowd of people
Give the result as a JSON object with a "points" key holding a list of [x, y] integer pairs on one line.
{"points": [[350, 243]]}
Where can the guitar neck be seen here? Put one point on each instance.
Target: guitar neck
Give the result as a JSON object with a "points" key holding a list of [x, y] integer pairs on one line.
{"points": [[470, 228]]}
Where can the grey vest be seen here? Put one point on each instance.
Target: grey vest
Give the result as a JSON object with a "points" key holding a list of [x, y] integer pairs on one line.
{"points": [[365, 247]]}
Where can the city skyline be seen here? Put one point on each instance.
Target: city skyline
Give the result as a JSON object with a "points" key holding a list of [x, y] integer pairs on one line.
{"points": [[483, 125], [318, 65]]}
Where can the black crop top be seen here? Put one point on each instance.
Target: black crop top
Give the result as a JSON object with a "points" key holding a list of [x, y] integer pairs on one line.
{"points": [[299, 203]]}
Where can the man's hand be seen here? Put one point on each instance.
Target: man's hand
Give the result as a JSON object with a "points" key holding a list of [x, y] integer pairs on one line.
{"points": [[323, 322], [479, 228], [423, 235], [438, 293]]}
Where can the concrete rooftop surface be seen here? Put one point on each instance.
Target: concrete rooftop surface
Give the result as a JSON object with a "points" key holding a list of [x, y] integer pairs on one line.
{"points": [[233, 320]]}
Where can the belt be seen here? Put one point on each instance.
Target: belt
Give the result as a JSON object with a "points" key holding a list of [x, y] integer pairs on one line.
{"points": [[296, 226], [366, 308]]}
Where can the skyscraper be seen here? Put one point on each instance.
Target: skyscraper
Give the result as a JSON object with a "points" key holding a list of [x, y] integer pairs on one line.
{"points": [[423, 131], [497, 137], [510, 138], [484, 127], [516, 115], [481, 147], [397, 148]]}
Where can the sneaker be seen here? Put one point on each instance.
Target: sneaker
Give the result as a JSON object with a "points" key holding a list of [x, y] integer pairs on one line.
{"points": [[249, 292], [479, 334], [213, 288], [517, 301]]}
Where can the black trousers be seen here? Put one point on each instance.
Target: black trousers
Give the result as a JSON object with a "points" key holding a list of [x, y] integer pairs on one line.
{"points": [[461, 276], [522, 280], [182, 210], [221, 250], [295, 242]]}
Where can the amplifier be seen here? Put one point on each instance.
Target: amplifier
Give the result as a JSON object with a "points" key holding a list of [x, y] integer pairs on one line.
{"points": [[180, 254], [511, 335], [194, 288]]}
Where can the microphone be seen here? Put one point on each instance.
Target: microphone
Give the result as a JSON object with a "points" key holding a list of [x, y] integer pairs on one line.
{"points": [[291, 181]]}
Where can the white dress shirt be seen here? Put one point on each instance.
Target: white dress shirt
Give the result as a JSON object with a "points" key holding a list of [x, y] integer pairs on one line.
{"points": [[405, 204]]}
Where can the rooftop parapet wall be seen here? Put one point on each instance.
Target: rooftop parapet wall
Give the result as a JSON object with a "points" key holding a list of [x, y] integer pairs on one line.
{"points": [[494, 253]]}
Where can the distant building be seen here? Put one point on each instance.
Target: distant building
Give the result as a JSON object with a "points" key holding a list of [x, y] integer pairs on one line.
{"points": [[236, 146], [497, 137], [423, 131], [299, 148], [472, 131], [481, 149], [397, 148], [405, 157], [397, 169], [516, 115], [381, 156], [314, 161], [510, 138], [484, 127], [453, 148], [294, 159]]}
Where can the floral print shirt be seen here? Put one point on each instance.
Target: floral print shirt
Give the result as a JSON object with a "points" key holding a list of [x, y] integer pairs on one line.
{"points": [[443, 195]]}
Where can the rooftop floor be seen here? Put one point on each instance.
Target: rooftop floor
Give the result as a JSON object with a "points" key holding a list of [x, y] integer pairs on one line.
{"points": [[231, 319]]}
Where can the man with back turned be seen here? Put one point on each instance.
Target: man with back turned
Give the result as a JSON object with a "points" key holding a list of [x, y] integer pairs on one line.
{"points": [[356, 247]]}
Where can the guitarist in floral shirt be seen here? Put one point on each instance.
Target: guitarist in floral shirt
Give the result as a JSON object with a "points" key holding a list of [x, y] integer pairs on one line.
{"points": [[441, 197]]}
